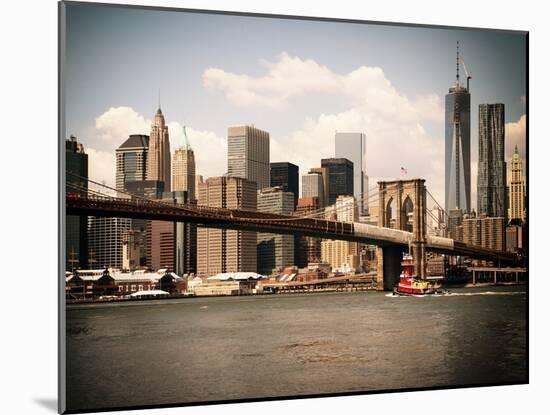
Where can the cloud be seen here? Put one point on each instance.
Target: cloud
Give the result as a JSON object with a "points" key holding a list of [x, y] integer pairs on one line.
{"points": [[114, 126], [516, 134], [392, 121], [101, 166], [118, 123], [290, 77]]}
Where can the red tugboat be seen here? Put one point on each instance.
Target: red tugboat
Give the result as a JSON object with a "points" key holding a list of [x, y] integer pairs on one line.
{"points": [[409, 284]]}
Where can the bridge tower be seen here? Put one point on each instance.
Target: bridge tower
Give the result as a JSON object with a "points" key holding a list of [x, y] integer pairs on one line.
{"points": [[402, 205]]}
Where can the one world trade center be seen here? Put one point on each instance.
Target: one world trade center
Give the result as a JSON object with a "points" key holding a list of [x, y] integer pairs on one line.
{"points": [[457, 145]]}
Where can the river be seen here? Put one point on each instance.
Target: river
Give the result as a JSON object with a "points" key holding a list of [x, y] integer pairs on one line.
{"points": [[223, 348]]}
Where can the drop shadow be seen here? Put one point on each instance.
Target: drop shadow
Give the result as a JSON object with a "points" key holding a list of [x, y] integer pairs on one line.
{"points": [[48, 403]]}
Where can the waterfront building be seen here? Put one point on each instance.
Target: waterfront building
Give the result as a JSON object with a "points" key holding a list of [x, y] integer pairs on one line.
{"points": [[105, 240], [493, 233], [183, 166], [340, 177], [517, 188], [248, 154], [457, 145], [307, 249], [286, 176], [76, 226], [131, 160], [323, 171], [225, 250], [353, 146], [484, 231], [340, 254], [343, 254], [275, 251], [158, 158], [491, 167]]}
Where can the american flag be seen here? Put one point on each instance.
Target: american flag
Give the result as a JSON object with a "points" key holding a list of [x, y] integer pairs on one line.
{"points": [[403, 170]]}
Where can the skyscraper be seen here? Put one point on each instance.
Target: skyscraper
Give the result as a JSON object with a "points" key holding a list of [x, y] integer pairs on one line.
{"points": [[275, 251], [76, 227], [105, 241], [352, 146], [184, 191], [183, 179], [457, 145], [323, 171], [158, 159], [248, 154], [312, 186], [131, 160], [517, 188], [224, 250], [491, 167], [285, 175], [340, 177], [342, 254]]}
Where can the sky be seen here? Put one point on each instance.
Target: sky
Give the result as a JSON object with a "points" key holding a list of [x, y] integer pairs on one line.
{"points": [[300, 80]]}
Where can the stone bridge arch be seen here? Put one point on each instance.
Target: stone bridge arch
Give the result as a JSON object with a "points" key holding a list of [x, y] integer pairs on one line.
{"points": [[409, 215]]}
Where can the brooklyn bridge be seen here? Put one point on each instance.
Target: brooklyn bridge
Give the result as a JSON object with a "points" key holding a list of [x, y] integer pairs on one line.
{"points": [[398, 200]]}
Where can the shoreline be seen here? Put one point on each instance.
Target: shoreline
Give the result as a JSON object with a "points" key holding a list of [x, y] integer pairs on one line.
{"points": [[180, 297]]}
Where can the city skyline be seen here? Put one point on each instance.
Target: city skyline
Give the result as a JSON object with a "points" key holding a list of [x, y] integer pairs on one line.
{"points": [[360, 89]]}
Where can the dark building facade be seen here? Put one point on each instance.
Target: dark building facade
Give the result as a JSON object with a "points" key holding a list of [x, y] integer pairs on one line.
{"points": [[76, 227], [131, 160], [340, 178], [457, 146], [285, 175], [491, 168]]}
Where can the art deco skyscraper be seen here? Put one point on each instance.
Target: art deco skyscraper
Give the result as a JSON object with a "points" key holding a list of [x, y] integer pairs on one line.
{"points": [[517, 188], [491, 168], [248, 154], [158, 163], [183, 179], [457, 145]]}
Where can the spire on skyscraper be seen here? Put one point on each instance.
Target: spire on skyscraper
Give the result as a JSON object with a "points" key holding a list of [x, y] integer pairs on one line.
{"points": [[185, 145]]}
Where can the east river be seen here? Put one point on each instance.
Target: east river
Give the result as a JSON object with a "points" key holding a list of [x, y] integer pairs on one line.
{"points": [[204, 349]]}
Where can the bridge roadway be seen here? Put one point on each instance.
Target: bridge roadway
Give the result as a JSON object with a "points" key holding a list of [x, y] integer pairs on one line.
{"points": [[272, 223]]}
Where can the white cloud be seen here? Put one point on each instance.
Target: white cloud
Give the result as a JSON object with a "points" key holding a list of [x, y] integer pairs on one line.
{"points": [[289, 77], [516, 134], [392, 122], [115, 125], [101, 166]]}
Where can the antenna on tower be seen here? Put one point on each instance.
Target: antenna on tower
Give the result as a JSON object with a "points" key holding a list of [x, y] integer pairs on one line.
{"points": [[457, 59], [159, 97]]}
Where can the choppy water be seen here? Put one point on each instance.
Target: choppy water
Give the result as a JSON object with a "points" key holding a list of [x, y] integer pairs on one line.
{"points": [[203, 349]]}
